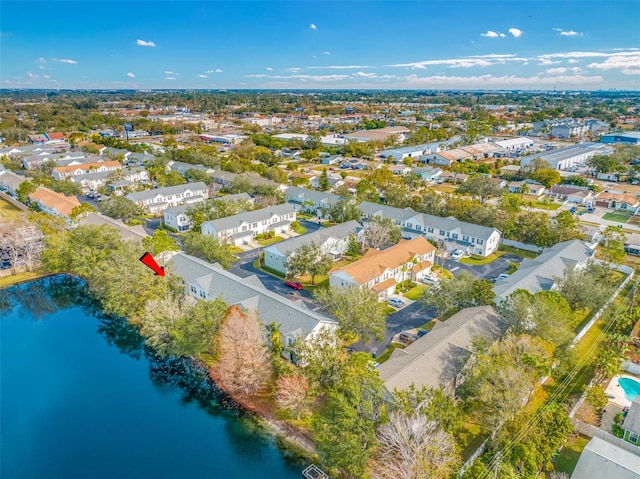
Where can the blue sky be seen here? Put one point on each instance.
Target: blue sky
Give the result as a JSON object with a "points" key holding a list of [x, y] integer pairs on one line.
{"points": [[329, 44]]}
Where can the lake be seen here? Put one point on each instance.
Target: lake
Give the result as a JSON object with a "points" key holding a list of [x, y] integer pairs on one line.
{"points": [[81, 397]]}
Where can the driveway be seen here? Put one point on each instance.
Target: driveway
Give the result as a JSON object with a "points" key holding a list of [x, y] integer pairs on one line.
{"points": [[485, 271], [409, 317]]}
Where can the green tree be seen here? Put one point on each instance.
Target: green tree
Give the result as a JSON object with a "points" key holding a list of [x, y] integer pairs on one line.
{"points": [[353, 248], [357, 310], [462, 291], [308, 259], [159, 243], [321, 358], [547, 176], [193, 174], [480, 187], [344, 210], [612, 245], [81, 211], [24, 190], [120, 207], [323, 181], [353, 409], [208, 248]]}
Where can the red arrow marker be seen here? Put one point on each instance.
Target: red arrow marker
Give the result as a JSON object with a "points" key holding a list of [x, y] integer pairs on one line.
{"points": [[148, 261]]}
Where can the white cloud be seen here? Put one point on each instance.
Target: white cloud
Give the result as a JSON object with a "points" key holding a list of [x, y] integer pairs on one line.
{"points": [[210, 71], [501, 82], [365, 75], [46, 76], [170, 78], [327, 53], [131, 75], [492, 34], [294, 69], [202, 76], [145, 43], [168, 72], [338, 67], [316, 78], [516, 32], [218, 70], [42, 60], [258, 75], [567, 33], [41, 67], [67, 60], [573, 60], [269, 69], [467, 62], [313, 26], [31, 75], [563, 70], [546, 62], [627, 63]]}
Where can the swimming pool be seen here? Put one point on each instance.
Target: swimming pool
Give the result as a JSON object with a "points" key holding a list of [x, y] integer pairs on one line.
{"points": [[631, 388]]}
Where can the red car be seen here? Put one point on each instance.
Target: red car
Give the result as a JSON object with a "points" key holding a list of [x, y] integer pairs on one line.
{"points": [[294, 285]]}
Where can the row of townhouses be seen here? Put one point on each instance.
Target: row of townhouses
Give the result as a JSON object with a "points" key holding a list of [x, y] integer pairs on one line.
{"points": [[157, 200]]}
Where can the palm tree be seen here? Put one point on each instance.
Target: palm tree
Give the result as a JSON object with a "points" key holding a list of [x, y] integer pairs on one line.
{"points": [[524, 189]]}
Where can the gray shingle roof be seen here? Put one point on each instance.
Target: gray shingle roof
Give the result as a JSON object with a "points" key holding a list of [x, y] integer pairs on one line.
{"points": [[342, 230], [601, 459], [169, 190], [431, 221], [538, 274], [311, 195], [294, 317], [254, 216], [436, 358], [632, 421]]}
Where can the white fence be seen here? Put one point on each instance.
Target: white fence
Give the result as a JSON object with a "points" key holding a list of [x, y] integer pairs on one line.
{"points": [[525, 246], [592, 431]]}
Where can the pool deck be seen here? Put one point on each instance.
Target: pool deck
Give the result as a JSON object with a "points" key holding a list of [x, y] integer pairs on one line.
{"points": [[615, 393]]}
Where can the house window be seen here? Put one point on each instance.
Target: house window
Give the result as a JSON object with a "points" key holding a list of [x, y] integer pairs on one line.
{"points": [[480, 241], [442, 232], [409, 225], [430, 230], [465, 238], [454, 235], [633, 437]]}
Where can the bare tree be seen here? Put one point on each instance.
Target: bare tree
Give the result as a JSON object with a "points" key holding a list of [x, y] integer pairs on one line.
{"points": [[380, 232], [21, 244], [412, 447], [292, 393], [243, 364]]}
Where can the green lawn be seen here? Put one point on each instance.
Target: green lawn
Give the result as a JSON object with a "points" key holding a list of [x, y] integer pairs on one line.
{"points": [[523, 253], [7, 210], [415, 293], [617, 216], [300, 230], [570, 453], [387, 354], [480, 260], [275, 239], [18, 278], [546, 206]]}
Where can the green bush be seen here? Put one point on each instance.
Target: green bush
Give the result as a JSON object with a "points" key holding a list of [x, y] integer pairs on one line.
{"points": [[133, 222]]}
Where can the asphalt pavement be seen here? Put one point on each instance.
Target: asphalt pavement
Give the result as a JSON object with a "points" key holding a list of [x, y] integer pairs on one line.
{"points": [[485, 271]]}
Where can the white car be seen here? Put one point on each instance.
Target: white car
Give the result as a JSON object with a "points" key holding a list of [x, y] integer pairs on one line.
{"points": [[430, 280], [396, 303], [457, 254]]}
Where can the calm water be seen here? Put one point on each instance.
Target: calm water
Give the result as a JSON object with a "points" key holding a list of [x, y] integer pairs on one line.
{"points": [[80, 397]]}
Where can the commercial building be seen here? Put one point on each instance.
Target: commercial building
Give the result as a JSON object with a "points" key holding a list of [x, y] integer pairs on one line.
{"points": [[565, 158], [629, 138]]}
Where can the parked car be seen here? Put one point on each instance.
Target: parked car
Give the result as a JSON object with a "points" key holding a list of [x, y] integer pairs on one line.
{"points": [[457, 254], [422, 332], [430, 280], [406, 338], [396, 303], [294, 285]]}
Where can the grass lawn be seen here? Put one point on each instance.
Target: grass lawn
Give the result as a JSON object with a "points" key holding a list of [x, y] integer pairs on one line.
{"points": [[519, 252], [8, 211], [275, 239], [470, 439], [275, 274], [568, 457], [546, 206], [387, 354], [617, 216], [18, 278], [236, 249], [300, 230], [445, 188], [479, 260], [415, 293]]}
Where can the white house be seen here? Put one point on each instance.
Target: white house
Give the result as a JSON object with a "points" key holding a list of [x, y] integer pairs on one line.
{"points": [[176, 218], [206, 281], [10, 182], [243, 227], [450, 232], [381, 270], [312, 201], [511, 144], [332, 241], [157, 200]]}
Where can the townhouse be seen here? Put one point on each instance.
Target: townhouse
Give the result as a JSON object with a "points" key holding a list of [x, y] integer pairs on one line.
{"points": [[381, 270], [332, 241], [243, 227], [206, 281], [437, 359], [176, 216], [311, 201], [159, 199], [542, 273], [65, 172], [448, 232], [55, 204], [182, 167]]}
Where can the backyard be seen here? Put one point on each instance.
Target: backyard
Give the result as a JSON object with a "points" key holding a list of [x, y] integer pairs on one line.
{"points": [[7, 211]]}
